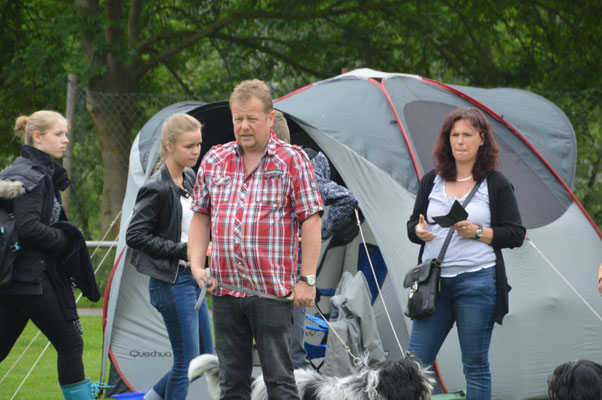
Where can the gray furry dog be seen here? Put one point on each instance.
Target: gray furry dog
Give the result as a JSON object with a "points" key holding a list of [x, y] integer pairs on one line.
{"points": [[404, 379]]}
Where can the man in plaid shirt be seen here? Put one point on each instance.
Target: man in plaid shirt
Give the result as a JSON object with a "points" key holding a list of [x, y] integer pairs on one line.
{"points": [[252, 195]]}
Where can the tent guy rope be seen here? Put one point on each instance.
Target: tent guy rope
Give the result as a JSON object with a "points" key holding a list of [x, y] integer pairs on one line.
{"points": [[564, 279], [359, 224]]}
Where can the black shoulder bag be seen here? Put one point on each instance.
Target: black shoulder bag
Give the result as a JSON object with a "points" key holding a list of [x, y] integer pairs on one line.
{"points": [[423, 279], [9, 246]]}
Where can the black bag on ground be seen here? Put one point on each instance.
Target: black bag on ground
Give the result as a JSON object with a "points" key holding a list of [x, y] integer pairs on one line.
{"points": [[423, 279], [9, 246]]}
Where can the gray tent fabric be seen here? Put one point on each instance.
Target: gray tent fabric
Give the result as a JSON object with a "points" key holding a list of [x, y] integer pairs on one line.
{"points": [[378, 130], [356, 326]]}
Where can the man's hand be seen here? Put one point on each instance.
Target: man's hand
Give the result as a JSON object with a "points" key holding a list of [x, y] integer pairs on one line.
{"points": [[303, 294], [201, 277]]}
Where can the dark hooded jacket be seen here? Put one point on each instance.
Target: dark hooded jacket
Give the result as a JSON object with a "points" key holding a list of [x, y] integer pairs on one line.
{"points": [[40, 179], [30, 189]]}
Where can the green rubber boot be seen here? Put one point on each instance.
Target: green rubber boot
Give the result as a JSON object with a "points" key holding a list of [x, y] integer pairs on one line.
{"points": [[83, 390]]}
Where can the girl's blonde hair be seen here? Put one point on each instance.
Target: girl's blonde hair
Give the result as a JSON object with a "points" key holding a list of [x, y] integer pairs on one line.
{"points": [[172, 129], [41, 121]]}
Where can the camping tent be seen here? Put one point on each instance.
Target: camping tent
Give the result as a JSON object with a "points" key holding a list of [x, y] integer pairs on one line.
{"points": [[378, 129]]}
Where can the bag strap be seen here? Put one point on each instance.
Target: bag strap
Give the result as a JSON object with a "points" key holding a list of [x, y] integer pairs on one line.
{"points": [[451, 231]]}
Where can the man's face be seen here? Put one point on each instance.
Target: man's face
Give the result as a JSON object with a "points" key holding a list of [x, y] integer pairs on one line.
{"points": [[251, 125]]}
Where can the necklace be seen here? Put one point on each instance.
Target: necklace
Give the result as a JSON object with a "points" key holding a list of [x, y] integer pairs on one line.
{"points": [[464, 179]]}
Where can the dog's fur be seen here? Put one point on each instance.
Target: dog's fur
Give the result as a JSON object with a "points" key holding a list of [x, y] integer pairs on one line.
{"points": [[403, 379], [11, 189], [581, 379]]}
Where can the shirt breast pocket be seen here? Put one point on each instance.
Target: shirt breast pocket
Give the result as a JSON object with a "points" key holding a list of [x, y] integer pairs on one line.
{"points": [[274, 187], [221, 189]]}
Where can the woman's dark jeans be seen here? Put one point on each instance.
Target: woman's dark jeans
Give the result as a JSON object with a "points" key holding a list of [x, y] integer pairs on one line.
{"points": [[45, 312]]}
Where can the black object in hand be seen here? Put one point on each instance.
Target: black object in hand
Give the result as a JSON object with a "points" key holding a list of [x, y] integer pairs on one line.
{"points": [[457, 213]]}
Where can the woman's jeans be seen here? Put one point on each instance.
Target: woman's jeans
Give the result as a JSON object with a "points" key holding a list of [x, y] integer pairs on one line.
{"points": [[469, 300], [189, 330], [237, 321]]}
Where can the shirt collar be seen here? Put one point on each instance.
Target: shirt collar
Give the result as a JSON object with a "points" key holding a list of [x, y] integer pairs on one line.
{"points": [[270, 149]]}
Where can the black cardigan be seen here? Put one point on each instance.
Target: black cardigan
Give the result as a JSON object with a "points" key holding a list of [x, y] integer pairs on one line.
{"points": [[508, 230]]}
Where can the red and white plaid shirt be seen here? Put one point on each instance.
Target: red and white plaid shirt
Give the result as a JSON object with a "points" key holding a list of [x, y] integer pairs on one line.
{"points": [[255, 219]]}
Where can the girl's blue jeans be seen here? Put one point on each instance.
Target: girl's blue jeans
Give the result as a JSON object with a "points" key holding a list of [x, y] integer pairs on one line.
{"points": [[189, 330]]}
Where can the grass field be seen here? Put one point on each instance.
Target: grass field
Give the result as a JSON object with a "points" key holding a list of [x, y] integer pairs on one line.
{"points": [[43, 382]]}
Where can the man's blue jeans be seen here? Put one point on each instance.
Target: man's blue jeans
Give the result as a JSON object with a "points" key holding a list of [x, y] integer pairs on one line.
{"points": [[236, 321], [469, 300], [189, 330]]}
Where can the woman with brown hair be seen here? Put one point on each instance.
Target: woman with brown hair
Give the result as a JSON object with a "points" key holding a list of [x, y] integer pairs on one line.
{"points": [[474, 289]]}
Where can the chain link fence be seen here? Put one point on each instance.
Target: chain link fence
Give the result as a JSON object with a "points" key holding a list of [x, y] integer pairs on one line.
{"points": [[131, 112]]}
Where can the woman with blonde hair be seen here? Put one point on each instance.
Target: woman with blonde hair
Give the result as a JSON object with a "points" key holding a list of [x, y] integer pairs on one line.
{"points": [[157, 236], [51, 252]]}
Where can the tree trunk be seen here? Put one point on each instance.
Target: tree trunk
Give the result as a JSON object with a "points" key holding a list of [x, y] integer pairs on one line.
{"points": [[114, 128]]}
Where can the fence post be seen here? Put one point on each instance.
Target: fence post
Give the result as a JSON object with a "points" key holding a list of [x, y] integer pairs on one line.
{"points": [[68, 156]]}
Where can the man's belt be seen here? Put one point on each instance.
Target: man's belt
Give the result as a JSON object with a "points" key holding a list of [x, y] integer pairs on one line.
{"points": [[236, 289]]}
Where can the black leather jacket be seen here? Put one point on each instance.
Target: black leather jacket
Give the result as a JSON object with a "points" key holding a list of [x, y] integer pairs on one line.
{"points": [[155, 229]]}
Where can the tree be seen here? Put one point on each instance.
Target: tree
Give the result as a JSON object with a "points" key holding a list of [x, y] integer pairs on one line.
{"points": [[30, 62], [206, 47], [124, 41]]}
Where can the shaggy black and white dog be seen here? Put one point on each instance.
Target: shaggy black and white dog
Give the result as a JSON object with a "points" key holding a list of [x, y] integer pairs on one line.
{"points": [[581, 379], [403, 379]]}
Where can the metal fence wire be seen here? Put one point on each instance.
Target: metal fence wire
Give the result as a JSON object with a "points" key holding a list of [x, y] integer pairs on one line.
{"points": [[133, 110]]}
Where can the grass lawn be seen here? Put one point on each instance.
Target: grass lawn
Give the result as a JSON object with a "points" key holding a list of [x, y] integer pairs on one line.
{"points": [[43, 381]]}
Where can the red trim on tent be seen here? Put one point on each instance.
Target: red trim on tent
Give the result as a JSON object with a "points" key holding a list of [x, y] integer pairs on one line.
{"points": [[108, 289], [382, 88], [286, 96], [521, 137], [121, 374], [104, 318], [440, 379]]}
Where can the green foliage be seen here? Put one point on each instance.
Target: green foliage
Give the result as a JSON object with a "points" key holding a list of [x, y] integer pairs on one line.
{"points": [[202, 49]]}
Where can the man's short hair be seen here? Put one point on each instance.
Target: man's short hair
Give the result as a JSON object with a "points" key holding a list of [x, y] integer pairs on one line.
{"points": [[281, 127], [246, 90]]}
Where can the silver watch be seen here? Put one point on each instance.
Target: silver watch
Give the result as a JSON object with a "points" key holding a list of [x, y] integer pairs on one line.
{"points": [[309, 279], [479, 233]]}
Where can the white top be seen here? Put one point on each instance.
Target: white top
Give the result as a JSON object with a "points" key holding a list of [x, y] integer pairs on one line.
{"points": [[463, 254], [187, 214]]}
